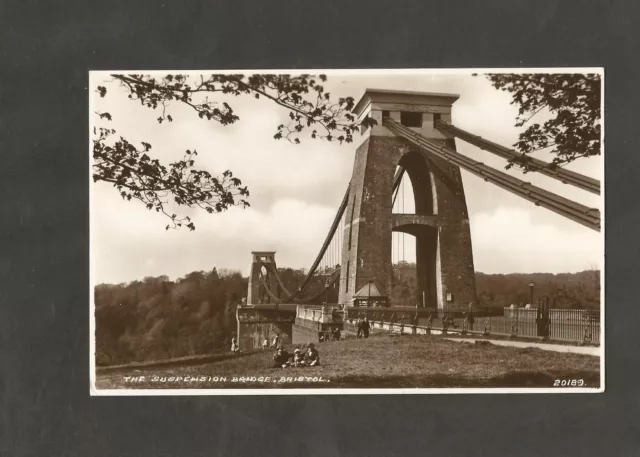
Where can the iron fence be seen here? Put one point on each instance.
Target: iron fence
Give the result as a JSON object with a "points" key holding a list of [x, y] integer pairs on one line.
{"points": [[577, 325], [571, 325]]}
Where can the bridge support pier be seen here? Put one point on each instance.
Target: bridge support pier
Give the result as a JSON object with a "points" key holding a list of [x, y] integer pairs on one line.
{"points": [[263, 321]]}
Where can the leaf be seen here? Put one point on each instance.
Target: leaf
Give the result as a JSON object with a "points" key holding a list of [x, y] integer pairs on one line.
{"points": [[144, 178]]}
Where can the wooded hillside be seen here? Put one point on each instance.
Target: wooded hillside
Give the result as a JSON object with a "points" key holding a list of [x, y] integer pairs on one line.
{"points": [[157, 318]]}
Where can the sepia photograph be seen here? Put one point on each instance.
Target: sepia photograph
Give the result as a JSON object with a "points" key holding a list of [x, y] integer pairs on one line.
{"points": [[261, 232]]}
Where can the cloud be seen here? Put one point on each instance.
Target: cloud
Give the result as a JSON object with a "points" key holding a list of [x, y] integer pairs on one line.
{"points": [[507, 240], [296, 189], [125, 250]]}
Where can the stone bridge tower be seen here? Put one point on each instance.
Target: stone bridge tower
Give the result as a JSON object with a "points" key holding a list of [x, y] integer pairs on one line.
{"points": [[260, 318], [264, 263], [444, 257]]}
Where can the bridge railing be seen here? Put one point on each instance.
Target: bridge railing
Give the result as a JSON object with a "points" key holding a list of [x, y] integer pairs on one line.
{"points": [[571, 325], [406, 316], [324, 314], [574, 325]]}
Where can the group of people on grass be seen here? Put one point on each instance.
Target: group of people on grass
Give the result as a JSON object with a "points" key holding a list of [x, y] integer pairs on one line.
{"points": [[308, 358], [282, 359]]}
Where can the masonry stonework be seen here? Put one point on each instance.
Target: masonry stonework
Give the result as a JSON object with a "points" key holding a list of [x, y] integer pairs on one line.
{"points": [[302, 335], [252, 334], [441, 223]]}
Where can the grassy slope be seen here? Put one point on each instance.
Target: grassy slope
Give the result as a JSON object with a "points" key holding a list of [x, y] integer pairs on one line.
{"points": [[386, 361]]}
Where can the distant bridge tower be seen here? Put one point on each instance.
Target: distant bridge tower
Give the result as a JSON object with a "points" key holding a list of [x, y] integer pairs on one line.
{"points": [[444, 257], [264, 263], [261, 319]]}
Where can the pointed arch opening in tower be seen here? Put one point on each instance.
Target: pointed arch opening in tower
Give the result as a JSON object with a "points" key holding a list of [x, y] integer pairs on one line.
{"points": [[414, 254], [414, 194], [413, 246], [404, 278], [403, 275]]}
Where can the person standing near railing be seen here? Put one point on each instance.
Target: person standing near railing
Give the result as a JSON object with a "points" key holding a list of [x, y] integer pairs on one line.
{"points": [[471, 319], [366, 327]]}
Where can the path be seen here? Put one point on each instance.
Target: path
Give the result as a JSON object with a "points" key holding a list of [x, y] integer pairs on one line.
{"points": [[588, 350]]}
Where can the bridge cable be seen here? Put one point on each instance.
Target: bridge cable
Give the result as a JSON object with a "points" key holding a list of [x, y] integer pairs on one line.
{"points": [[335, 275], [589, 217], [561, 174], [279, 280], [323, 249], [267, 289], [396, 183], [403, 213]]}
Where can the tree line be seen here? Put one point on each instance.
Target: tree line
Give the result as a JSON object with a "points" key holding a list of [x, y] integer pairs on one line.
{"points": [[157, 318], [564, 290]]}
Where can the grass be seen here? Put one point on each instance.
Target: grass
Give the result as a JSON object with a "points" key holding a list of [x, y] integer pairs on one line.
{"points": [[381, 361]]}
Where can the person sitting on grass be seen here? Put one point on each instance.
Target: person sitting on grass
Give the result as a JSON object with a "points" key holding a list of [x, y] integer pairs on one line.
{"points": [[281, 358], [298, 358], [234, 346], [312, 358]]}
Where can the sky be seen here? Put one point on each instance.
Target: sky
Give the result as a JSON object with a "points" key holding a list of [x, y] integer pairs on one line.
{"points": [[295, 190]]}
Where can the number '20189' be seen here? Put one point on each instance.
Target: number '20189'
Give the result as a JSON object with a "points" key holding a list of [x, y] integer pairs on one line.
{"points": [[568, 383]]}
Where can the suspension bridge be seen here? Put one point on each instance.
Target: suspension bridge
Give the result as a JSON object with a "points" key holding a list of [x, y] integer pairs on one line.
{"points": [[413, 136]]}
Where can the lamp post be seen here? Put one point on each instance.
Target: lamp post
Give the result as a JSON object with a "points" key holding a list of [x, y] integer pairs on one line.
{"points": [[531, 284]]}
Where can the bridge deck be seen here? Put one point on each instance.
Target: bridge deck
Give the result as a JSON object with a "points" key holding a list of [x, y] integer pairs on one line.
{"points": [[281, 307]]}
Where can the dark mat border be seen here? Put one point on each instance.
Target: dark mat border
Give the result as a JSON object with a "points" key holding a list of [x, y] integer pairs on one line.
{"points": [[47, 49]]}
